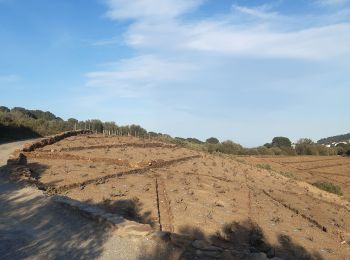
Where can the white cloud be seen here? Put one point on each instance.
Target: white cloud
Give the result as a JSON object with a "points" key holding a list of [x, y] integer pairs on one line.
{"points": [[262, 11], [257, 40], [271, 35], [171, 49], [136, 76], [314, 43]]}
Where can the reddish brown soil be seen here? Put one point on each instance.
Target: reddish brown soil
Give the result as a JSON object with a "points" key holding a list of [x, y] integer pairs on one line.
{"points": [[208, 196]]}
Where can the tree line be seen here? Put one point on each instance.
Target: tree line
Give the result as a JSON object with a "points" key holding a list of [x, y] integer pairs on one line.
{"points": [[278, 146], [20, 123]]}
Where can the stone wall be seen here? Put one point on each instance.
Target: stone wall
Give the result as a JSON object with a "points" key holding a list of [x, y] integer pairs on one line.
{"points": [[53, 139]]}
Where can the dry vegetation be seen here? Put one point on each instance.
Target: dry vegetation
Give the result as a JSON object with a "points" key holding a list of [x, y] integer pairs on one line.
{"points": [[219, 198]]}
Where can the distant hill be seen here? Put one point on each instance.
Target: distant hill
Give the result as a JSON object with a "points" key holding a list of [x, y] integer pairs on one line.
{"points": [[336, 138]]}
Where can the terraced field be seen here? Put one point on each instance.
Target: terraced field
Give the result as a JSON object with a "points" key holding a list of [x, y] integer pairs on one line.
{"points": [[220, 199], [334, 169]]}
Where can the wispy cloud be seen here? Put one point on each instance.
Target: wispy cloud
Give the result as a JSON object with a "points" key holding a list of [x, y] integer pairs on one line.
{"points": [[265, 37], [157, 31], [314, 43], [262, 11], [136, 76]]}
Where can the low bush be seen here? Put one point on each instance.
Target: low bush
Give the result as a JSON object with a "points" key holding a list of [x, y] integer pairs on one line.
{"points": [[328, 186]]}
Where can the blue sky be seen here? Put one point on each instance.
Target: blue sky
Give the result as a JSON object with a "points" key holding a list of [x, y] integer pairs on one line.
{"points": [[240, 70]]}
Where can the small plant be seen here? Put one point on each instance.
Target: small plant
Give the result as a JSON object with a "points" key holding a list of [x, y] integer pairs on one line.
{"points": [[328, 186], [264, 166], [288, 175]]}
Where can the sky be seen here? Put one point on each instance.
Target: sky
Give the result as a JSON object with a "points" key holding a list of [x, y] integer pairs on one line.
{"points": [[244, 70]]}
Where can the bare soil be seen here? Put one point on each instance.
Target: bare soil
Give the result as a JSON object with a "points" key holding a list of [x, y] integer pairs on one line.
{"points": [[224, 199], [34, 227], [335, 169]]}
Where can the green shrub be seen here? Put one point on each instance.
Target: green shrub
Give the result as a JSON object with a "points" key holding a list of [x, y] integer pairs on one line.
{"points": [[263, 150], [276, 150], [328, 186], [264, 166], [229, 147]]}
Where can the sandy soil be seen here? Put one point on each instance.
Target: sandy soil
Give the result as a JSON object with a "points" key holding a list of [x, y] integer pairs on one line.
{"points": [[225, 199]]}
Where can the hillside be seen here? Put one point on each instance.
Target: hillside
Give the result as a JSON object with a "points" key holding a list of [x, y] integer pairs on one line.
{"points": [[209, 206], [336, 139]]}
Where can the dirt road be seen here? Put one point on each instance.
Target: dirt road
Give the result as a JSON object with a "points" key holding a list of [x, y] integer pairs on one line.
{"points": [[33, 227], [8, 148]]}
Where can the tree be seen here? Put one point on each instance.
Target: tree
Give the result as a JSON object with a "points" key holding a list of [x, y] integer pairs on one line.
{"points": [[194, 140], [304, 146], [212, 140], [268, 145], [4, 109], [305, 141], [44, 115], [230, 147], [281, 141], [137, 130], [22, 112]]}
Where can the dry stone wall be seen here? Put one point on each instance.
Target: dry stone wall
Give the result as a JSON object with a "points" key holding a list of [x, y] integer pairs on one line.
{"points": [[53, 139]]}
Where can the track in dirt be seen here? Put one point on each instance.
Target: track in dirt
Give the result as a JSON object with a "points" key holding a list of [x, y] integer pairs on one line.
{"points": [[165, 217], [288, 206]]}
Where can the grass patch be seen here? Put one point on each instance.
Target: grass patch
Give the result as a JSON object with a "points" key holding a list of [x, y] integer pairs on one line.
{"points": [[328, 186], [264, 166], [288, 175]]}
